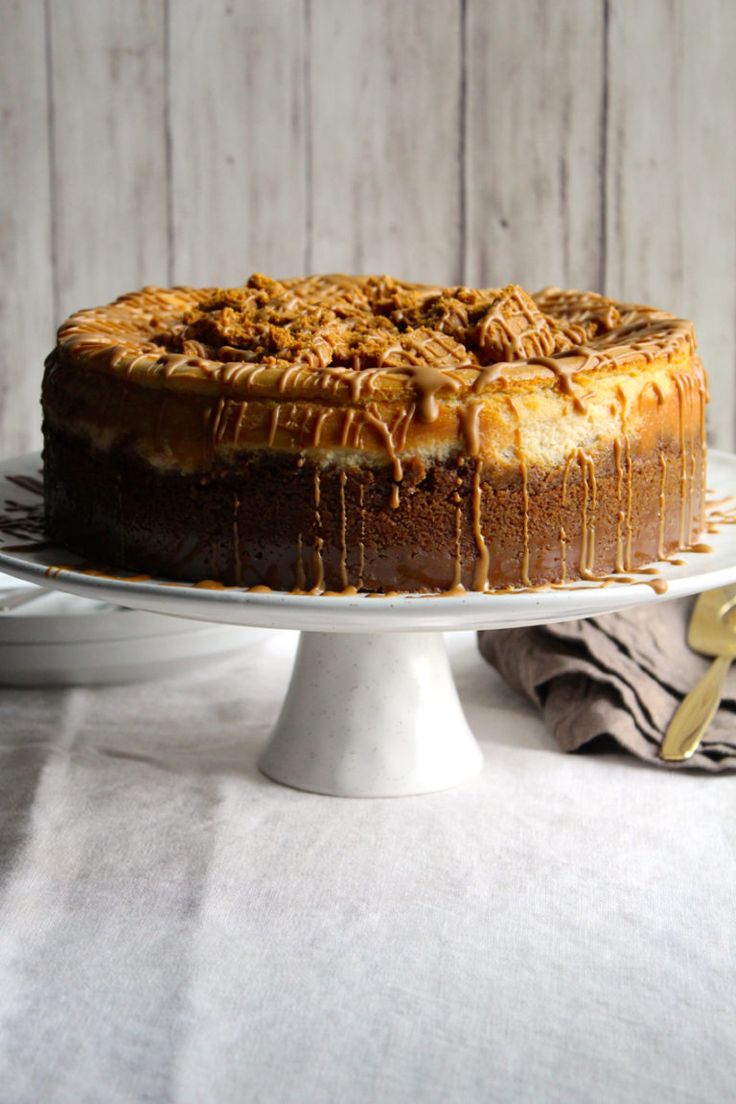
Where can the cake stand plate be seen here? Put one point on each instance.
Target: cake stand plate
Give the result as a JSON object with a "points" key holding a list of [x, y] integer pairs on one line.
{"points": [[371, 709]]}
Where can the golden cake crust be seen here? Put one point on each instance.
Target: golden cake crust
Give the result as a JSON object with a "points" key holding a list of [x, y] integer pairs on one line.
{"points": [[367, 368]]}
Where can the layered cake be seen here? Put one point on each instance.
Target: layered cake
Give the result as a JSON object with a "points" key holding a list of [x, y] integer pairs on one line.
{"points": [[342, 433]]}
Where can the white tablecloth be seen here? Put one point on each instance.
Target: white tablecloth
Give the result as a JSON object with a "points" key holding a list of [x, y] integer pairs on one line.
{"points": [[174, 927]]}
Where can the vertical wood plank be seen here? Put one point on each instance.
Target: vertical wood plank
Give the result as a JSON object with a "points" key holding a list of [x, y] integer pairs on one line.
{"points": [[386, 137], [109, 173], [237, 117], [671, 170], [26, 287], [535, 96]]}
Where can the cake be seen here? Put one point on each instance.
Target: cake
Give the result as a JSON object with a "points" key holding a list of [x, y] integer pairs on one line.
{"points": [[340, 433]]}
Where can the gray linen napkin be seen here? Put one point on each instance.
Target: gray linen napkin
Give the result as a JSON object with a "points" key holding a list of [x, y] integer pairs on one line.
{"points": [[621, 676]]}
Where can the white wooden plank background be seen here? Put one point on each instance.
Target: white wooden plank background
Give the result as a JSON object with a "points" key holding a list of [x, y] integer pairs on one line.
{"points": [[108, 101], [237, 132], [534, 142], [671, 174], [26, 258], [581, 142], [385, 95]]}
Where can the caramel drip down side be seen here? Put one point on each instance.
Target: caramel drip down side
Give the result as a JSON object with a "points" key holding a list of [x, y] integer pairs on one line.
{"points": [[470, 424], [301, 580], [703, 399], [373, 418], [524, 473], [563, 535], [693, 523], [121, 515], [361, 541], [274, 424], [629, 503], [318, 566], [217, 424], [661, 553], [623, 406], [564, 371], [343, 533], [620, 513], [589, 491], [458, 568], [684, 538], [237, 432], [587, 539], [238, 567], [480, 575], [690, 479], [428, 381]]}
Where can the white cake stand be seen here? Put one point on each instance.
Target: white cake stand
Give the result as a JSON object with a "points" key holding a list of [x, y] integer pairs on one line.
{"points": [[371, 709]]}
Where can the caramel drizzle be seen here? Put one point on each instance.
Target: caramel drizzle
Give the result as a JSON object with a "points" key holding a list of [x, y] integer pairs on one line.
{"points": [[470, 423], [458, 568], [526, 581], [661, 554], [524, 473], [343, 532], [623, 406], [621, 513], [589, 490], [275, 422], [629, 503], [347, 425], [322, 417], [121, 524], [480, 575], [361, 541], [26, 483], [242, 409], [215, 422], [238, 567], [374, 419], [685, 537], [22, 520], [300, 576], [564, 371], [656, 582], [118, 338], [587, 538], [318, 565]]}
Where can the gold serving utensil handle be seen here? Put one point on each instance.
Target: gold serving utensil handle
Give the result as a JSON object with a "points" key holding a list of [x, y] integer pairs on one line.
{"points": [[691, 721]]}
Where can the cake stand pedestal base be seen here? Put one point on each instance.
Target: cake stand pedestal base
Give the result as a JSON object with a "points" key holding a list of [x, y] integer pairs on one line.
{"points": [[371, 715]]}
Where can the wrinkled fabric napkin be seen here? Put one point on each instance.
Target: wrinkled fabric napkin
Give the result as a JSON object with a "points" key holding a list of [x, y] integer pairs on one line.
{"points": [[621, 676]]}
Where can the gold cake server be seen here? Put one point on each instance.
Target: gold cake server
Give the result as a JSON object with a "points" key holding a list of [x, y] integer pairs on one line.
{"points": [[712, 632]]}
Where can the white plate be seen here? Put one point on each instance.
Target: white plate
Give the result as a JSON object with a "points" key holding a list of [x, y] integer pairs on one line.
{"points": [[364, 613], [118, 661], [60, 639]]}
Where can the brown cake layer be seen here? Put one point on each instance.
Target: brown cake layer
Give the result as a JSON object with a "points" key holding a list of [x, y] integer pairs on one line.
{"points": [[284, 521]]}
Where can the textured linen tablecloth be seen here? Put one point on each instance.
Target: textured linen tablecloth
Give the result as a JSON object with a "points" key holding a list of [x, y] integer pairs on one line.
{"points": [[174, 927]]}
